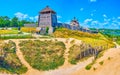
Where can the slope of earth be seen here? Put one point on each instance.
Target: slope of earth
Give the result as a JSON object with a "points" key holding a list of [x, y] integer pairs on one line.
{"points": [[108, 64]]}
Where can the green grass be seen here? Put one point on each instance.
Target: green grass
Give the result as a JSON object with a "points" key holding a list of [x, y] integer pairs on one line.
{"points": [[9, 31], [43, 55], [10, 63], [118, 41], [92, 39], [16, 36]]}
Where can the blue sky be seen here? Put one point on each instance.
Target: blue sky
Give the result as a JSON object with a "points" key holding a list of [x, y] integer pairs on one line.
{"points": [[90, 13]]}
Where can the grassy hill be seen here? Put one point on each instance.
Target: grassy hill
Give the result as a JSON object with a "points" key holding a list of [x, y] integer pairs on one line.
{"points": [[89, 38], [90, 41]]}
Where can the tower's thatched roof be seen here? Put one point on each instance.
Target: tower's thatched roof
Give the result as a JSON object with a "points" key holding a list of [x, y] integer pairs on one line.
{"points": [[47, 10]]}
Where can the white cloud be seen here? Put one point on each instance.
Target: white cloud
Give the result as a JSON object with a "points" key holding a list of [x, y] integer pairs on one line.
{"points": [[36, 18], [112, 23], [94, 22], [20, 15], [104, 15], [81, 9], [93, 0], [119, 23], [87, 20], [91, 14], [118, 17], [107, 20], [58, 16], [31, 18]]}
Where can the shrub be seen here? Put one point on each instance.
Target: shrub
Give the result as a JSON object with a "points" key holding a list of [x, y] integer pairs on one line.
{"points": [[88, 67], [94, 68], [109, 58], [101, 63]]}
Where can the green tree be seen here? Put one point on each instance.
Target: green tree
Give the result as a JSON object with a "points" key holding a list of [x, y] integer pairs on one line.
{"points": [[4, 21], [47, 29], [14, 22]]}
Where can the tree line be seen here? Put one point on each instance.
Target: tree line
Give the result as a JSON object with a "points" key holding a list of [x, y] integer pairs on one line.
{"points": [[5, 21]]}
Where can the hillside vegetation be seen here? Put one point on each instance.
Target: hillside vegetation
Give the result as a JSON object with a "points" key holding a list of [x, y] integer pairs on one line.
{"points": [[92, 44], [43, 55], [9, 61], [94, 40], [9, 32], [113, 35], [28, 29]]}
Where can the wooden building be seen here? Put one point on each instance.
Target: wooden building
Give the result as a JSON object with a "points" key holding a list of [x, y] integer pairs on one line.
{"points": [[47, 18]]}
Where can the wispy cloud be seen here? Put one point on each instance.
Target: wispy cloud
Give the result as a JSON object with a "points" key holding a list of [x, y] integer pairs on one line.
{"points": [[36, 18], [93, 0], [118, 17], [104, 15], [106, 23], [87, 20], [22, 16], [58, 16], [81, 9], [91, 14]]}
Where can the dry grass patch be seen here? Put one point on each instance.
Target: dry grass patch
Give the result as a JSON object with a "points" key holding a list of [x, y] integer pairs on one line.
{"points": [[43, 55]]}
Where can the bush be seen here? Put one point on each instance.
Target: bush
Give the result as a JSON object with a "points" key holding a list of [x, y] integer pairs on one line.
{"points": [[73, 61], [94, 68], [109, 58], [101, 63], [88, 67]]}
